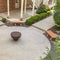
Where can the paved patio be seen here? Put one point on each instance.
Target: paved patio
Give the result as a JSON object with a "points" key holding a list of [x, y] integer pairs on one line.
{"points": [[46, 23], [30, 46], [15, 14], [32, 43]]}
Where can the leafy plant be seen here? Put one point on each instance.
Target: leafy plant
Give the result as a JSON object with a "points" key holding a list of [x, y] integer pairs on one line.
{"points": [[57, 48], [49, 54], [57, 18], [4, 20], [57, 14], [42, 9]]}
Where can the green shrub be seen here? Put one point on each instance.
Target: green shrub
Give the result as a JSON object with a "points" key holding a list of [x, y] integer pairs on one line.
{"points": [[32, 20], [57, 7], [42, 9], [57, 14], [36, 18], [57, 18], [4, 20]]}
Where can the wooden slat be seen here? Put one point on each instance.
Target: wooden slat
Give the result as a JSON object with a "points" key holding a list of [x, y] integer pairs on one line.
{"points": [[51, 34]]}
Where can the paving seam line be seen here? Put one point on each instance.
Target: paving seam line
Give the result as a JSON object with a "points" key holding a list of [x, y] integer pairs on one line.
{"points": [[38, 28]]}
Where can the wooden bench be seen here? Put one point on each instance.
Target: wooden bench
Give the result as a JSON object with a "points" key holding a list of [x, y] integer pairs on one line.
{"points": [[18, 22], [51, 34]]}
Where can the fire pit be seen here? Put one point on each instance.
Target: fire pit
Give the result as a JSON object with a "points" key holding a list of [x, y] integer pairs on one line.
{"points": [[15, 35]]}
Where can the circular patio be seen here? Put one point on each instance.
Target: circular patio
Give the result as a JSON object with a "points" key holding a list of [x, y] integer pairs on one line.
{"points": [[31, 46]]}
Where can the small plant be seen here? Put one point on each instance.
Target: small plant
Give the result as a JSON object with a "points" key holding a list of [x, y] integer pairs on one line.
{"points": [[42, 9], [4, 20]]}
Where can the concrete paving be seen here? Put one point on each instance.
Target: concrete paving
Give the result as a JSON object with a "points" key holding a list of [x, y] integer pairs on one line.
{"points": [[45, 23], [15, 14], [30, 46], [1, 23]]}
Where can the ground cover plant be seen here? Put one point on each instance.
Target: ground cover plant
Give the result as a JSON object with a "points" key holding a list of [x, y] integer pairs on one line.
{"points": [[57, 48]]}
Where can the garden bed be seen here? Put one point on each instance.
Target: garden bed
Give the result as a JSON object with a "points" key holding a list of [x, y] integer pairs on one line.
{"points": [[54, 54], [56, 43]]}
